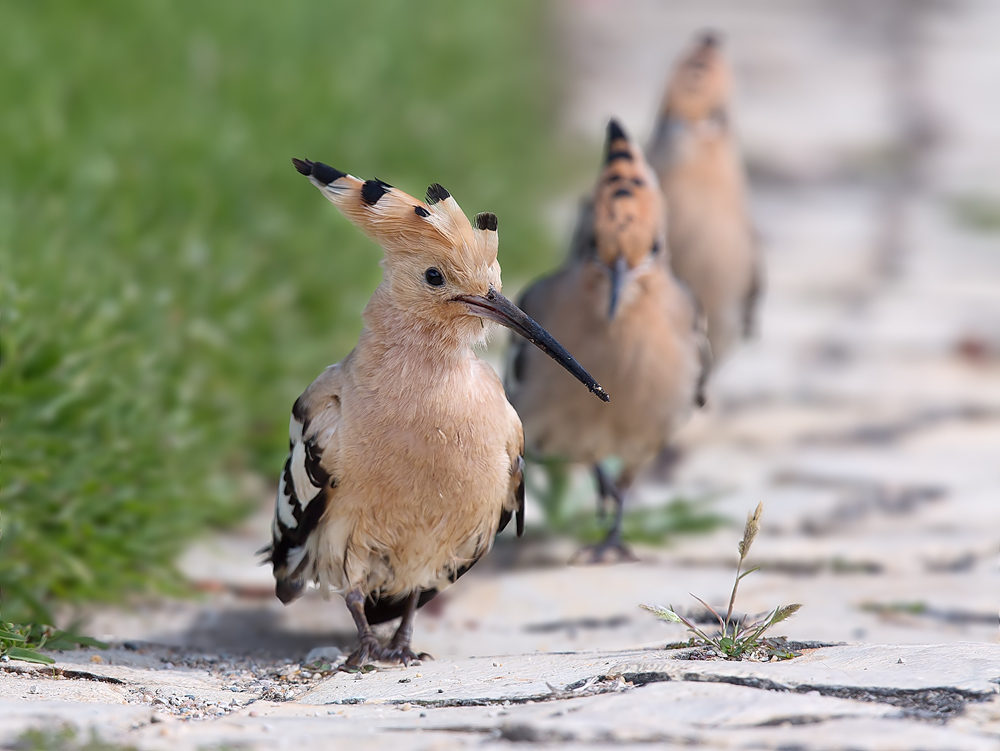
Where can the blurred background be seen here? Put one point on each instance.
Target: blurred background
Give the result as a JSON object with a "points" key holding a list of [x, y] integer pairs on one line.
{"points": [[170, 285]]}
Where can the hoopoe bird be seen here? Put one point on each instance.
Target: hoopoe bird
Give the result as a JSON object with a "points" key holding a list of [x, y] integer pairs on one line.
{"points": [[618, 307], [696, 156], [405, 457]]}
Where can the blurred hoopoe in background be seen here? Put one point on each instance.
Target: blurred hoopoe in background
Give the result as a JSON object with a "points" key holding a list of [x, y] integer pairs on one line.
{"points": [[616, 304], [695, 154], [405, 457]]}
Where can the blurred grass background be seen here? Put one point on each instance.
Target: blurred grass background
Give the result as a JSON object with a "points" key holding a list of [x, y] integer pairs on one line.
{"points": [[170, 284]]}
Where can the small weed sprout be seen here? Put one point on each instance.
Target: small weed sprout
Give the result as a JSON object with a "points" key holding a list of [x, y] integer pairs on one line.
{"points": [[737, 638], [22, 642]]}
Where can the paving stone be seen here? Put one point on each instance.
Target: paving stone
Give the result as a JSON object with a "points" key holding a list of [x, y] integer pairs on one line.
{"points": [[469, 681], [637, 696], [80, 714], [937, 679], [678, 713], [33, 690]]}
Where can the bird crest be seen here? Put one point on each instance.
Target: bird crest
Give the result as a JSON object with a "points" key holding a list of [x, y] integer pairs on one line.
{"points": [[699, 89], [628, 214], [402, 224]]}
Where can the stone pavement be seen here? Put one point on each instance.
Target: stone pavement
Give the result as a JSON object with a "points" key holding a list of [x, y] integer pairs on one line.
{"points": [[879, 697], [866, 417]]}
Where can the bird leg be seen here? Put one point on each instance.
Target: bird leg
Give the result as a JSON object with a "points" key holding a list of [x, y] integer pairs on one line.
{"points": [[368, 644], [400, 644], [369, 648], [605, 490], [612, 548]]}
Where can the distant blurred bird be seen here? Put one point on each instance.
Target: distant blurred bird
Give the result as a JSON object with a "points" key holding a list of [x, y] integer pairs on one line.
{"points": [[695, 154], [405, 457], [616, 304]]}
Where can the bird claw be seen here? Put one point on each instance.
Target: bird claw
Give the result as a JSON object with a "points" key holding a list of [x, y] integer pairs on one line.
{"points": [[608, 551], [404, 655], [370, 650]]}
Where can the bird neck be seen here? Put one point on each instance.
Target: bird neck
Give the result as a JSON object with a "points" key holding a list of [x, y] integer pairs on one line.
{"points": [[395, 340]]}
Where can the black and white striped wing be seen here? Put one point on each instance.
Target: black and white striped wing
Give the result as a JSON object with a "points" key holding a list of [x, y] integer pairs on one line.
{"points": [[307, 483]]}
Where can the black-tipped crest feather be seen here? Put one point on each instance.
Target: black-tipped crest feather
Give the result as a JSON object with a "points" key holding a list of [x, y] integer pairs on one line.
{"points": [[436, 193], [711, 38], [615, 133], [373, 190], [486, 221], [324, 173]]}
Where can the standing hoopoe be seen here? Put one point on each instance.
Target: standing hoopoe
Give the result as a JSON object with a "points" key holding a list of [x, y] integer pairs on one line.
{"points": [[405, 457], [617, 305], [695, 154]]}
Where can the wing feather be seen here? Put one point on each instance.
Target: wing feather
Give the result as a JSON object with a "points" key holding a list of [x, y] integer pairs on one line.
{"points": [[307, 484]]}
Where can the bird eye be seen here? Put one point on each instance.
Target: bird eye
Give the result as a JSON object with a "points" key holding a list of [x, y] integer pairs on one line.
{"points": [[656, 247], [434, 277]]}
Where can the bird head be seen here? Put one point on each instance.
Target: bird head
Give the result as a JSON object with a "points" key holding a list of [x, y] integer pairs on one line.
{"points": [[628, 216], [700, 86], [439, 269]]}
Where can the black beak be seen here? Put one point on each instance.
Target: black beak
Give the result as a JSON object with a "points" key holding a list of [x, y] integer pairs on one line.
{"points": [[496, 307], [617, 272]]}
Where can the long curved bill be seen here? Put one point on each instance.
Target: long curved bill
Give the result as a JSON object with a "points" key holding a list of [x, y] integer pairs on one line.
{"points": [[496, 307]]}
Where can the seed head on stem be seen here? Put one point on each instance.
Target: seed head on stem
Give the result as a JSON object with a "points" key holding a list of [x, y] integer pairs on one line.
{"points": [[749, 533]]}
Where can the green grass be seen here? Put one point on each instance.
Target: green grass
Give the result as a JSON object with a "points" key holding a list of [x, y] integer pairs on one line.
{"points": [[64, 739], [977, 212], [170, 284], [570, 508], [650, 525]]}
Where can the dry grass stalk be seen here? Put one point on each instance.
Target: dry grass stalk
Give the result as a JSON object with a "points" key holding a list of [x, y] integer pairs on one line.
{"points": [[737, 638]]}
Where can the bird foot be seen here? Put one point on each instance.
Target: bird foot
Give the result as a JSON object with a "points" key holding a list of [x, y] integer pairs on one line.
{"points": [[607, 551], [404, 655], [370, 650]]}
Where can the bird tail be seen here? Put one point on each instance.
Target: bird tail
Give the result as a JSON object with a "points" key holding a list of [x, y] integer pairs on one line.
{"points": [[287, 586], [288, 589]]}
